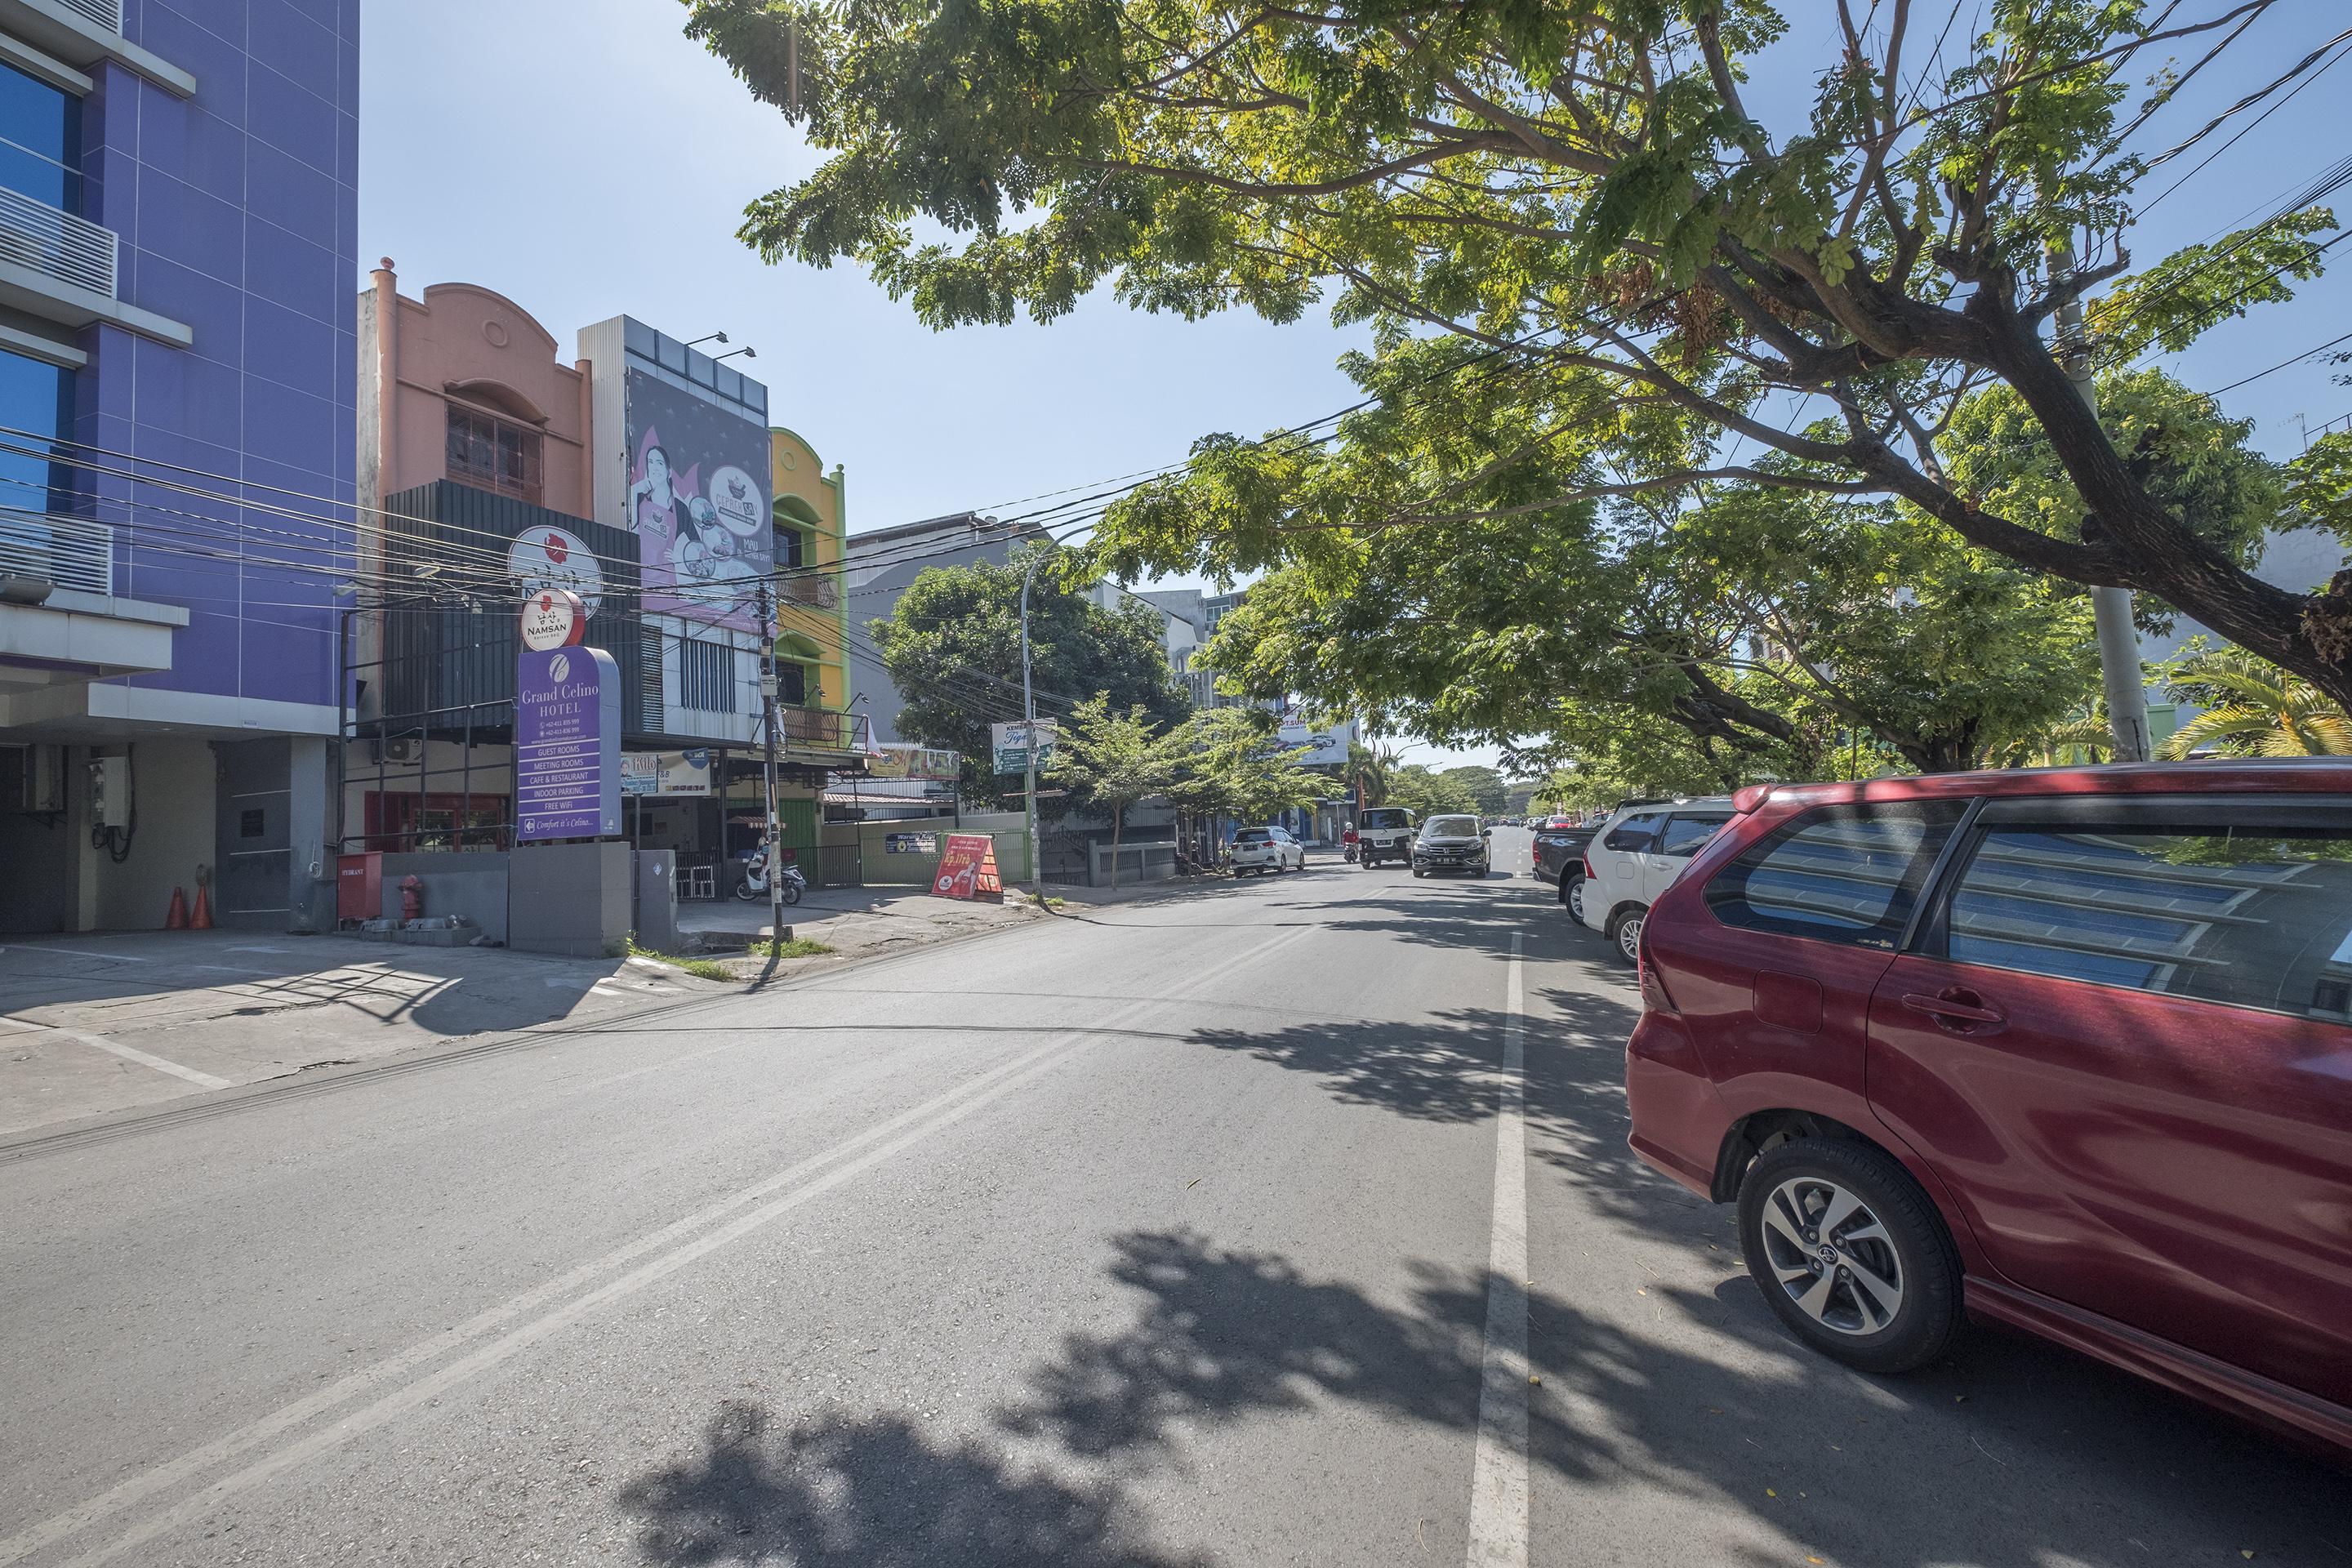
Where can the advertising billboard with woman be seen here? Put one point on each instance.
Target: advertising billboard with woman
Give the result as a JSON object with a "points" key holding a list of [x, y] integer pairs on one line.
{"points": [[697, 504]]}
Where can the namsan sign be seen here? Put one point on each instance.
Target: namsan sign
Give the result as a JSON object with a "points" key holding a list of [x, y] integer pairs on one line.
{"points": [[553, 618]]}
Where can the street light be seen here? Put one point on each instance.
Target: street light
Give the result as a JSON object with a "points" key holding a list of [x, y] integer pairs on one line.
{"points": [[708, 338], [1029, 719], [746, 351]]}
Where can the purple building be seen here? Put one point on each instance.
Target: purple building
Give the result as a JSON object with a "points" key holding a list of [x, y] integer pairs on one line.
{"points": [[178, 368]]}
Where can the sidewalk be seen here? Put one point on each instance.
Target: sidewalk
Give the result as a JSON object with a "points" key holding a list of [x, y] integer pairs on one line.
{"points": [[854, 923], [96, 1024]]}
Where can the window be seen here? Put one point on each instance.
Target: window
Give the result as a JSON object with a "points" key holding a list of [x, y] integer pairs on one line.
{"points": [[1685, 834], [1638, 833], [706, 675], [792, 683], [1252, 835], [36, 398], [2244, 903], [1386, 816], [791, 548], [494, 454], [1847, 874], [1450, 827], [40, 140]]}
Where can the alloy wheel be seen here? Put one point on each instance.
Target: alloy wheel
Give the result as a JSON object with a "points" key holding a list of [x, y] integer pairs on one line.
{"points": [[1629, 938], [1576, 901], [1834, 1257]]}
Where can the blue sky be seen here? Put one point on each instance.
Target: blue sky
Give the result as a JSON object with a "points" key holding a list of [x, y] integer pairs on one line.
{"points": [[584, 159]]}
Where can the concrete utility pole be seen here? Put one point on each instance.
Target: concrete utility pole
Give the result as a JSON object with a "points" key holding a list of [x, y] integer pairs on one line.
{"points": [[768, 708], [1029, 718], [2111, 608]]}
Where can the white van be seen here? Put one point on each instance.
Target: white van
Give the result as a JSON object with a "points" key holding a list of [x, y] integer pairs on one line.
{"points": [[1637, 854], [1385, 833]]}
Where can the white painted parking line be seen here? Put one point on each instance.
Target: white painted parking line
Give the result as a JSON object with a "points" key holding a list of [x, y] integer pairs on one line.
{"points": [[1498, 1476], [131, 1054]]}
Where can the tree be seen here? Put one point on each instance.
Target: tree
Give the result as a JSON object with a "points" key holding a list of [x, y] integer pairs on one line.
{"points": [[1111, 758], [953, 649], [2253, 709], [1424, 790], [1233, 765], [1484, 786], [1574, 208]]}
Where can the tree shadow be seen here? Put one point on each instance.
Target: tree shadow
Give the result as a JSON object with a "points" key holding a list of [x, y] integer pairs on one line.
{"points": [[872, 1491]]}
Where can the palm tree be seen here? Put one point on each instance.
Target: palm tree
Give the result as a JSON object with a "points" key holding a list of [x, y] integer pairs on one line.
{"points": [[2253, 709], [1371, 764]]}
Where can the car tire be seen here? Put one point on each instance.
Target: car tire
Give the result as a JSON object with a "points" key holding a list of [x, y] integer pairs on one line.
{"points": [[1572, 898], [1626, 932], [1419, 872], [1897, 1304]]}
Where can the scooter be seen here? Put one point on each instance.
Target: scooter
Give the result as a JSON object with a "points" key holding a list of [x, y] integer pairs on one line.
{"points": [[753, 889], [1348, 846]]}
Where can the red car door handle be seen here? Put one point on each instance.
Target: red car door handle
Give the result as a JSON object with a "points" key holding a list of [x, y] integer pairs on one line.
{"points": [[1956, 1009]]}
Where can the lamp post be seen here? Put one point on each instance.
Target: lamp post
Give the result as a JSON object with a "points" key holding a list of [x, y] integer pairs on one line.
{"points": [[768, 710]]}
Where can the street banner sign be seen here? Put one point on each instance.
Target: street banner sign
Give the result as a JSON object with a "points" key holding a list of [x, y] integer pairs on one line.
{"points": [[960, 868], [893, 759], [567, 743], [1011, 742], [671, 774]]}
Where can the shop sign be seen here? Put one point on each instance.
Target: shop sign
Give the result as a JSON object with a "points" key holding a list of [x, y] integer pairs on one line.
{"points": [[910, 844], [553, 618], [567, 743], [556, 558], [968, 867], [897, 760], [684, 772]]}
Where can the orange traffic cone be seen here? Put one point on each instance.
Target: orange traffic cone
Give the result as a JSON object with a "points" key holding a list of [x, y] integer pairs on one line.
{"points": [[203, 919], [177, 919]]}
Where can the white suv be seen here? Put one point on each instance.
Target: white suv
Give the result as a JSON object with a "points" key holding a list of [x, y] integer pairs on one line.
{"points": [[1263, 850], [1634, 857]]}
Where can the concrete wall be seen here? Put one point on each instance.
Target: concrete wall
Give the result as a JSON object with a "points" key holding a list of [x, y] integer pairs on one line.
{"points": [[472, 885], [568, 898], [175, 794]]}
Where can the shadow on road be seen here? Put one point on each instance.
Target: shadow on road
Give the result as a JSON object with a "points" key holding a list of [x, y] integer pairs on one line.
{"points": [[870, 1492]]}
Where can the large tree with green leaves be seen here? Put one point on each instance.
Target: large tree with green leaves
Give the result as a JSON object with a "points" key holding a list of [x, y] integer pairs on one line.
{"points": [[952, 646], [1571, 209]]}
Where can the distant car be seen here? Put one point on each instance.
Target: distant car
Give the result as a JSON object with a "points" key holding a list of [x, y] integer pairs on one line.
{"points": [[1385, 833], [1450, 844], [1635, 855], [2068, 1048], [1263, 850]]}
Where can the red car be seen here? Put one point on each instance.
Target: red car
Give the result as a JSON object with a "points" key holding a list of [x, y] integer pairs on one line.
{"points": [[2070, 1050]]}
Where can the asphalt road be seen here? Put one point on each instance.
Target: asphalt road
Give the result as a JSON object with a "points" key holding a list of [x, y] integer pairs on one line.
{"points": [[1165, 1235]]}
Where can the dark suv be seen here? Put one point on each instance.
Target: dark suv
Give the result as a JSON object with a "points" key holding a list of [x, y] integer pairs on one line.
{"points": [[2070, 1050]]}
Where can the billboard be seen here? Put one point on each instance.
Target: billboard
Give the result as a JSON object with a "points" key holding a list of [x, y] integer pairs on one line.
{"points": [[567, 743], [1011, 743], [1326, 745], [686, 772], [895, 759], [697, 503]]}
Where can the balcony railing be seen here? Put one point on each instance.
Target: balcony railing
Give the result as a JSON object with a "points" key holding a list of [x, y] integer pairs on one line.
{"points": [[57, 245], [815, 729], [67, 552], [821, 593]]}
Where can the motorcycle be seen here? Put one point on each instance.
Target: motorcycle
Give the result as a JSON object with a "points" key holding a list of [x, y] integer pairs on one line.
{"points": [[753, 887], [1348, 846]]}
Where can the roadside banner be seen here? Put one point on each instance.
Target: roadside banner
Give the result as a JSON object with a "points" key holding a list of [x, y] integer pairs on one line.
{"points": [[1011, 742], [968, 868]]}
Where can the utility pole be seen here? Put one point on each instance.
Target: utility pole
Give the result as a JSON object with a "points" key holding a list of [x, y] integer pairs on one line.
{"points": [[1029, 719], [768, 709], [2111, 608]]}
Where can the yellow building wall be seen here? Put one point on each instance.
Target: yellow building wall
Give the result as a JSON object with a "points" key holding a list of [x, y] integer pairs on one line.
{"points": [[808, 498]]}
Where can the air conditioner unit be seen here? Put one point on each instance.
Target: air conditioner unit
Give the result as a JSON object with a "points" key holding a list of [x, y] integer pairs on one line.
{"points": [[406, 749]]}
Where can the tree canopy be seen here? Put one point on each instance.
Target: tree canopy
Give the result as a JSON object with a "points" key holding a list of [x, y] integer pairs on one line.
{"points": [[1572, 242], [952, 647]]}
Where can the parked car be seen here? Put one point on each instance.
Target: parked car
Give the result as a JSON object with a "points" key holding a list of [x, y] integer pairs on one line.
{"points": [[1450, 843], [1559, 847], [1635, 855], [1263, 850], [1385, 833], [2070, 1049]]}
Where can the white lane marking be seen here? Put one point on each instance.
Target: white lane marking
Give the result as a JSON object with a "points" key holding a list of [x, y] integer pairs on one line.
{"points": [[131, 1054], [84, 952], [911, 1126], [1498, 1476]]}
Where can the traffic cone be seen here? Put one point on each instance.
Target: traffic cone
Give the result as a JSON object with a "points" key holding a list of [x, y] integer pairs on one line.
{"points": [[203, 919], [177, 919]]}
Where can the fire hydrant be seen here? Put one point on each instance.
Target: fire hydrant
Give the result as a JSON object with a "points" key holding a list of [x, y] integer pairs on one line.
{"points": [[412, 898]]}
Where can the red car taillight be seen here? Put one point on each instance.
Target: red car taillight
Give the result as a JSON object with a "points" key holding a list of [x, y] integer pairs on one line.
{"points": [[1587, 868]]}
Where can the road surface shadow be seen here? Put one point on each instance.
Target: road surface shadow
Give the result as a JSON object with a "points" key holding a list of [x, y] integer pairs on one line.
{"points": [[871, 1492], [2012, 1452]]}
